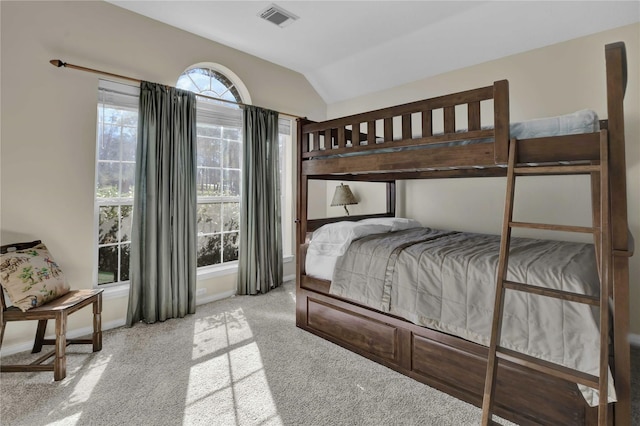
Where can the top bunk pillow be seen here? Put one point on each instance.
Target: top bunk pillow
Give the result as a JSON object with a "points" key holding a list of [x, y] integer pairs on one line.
{"points": [[31, 277], [333, 239], [584, 121], [396, 223]]}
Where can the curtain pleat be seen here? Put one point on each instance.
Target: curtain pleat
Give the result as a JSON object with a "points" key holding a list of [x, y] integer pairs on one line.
{"points": [[260, 254], [163, 241]]}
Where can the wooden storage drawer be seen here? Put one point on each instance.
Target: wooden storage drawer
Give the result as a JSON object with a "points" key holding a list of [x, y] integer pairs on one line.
{"points": [[515, 390], [449, 364], [353, 330]]}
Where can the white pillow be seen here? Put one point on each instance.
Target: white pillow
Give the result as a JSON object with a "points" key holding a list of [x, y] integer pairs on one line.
{"points": [[396, 223], [333, 239]]}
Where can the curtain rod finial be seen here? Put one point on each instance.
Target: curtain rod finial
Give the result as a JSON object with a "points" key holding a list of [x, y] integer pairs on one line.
{"points": [[57, 63]]}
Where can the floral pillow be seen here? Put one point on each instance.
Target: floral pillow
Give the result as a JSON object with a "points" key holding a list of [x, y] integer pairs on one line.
{"points": [[31, 277]]}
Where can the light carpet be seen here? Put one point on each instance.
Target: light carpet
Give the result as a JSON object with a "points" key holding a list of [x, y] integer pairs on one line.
{"points": [[239, 361]]}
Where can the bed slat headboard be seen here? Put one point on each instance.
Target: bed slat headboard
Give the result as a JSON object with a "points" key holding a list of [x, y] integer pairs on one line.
{"points": [[412, 124]]}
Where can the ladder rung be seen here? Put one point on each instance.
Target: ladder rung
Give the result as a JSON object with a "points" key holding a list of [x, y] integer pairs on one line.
{"points": [[550, 292], [557, 170], [547, 367], [550, 227]]}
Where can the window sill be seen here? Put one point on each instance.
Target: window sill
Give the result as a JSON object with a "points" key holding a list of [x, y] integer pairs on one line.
{"points": [[231, 268], [207, 272], [122, 290]]}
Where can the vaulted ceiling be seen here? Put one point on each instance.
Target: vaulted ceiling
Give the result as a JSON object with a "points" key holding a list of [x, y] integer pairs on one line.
{"points": [[351, 48]]}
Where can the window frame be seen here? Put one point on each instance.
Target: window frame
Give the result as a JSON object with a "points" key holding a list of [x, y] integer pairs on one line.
{"points": [[224, 199], [117, 89], [287, 187], [219, 269]]}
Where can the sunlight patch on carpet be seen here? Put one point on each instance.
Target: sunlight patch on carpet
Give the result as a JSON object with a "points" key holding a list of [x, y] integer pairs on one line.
{"points": [[227, 383], [218, 332], [67, 421], [88, 381]]}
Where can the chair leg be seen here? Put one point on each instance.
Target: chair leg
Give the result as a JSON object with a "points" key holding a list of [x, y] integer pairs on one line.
{"points": [[3, 323], [60, 360], [97, 324], [37, 344]]}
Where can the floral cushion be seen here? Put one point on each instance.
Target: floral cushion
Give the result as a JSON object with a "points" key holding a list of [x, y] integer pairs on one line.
{"points": [[31, 277]]}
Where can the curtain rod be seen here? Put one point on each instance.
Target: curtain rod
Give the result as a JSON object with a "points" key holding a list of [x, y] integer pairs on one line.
{"points": [[58, 63]]}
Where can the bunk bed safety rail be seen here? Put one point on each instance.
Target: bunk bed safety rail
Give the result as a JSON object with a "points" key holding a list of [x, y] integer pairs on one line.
{"points": [[413, 124]]}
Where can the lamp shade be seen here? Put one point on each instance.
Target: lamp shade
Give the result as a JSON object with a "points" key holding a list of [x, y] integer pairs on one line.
{"points": [[343, 196]]}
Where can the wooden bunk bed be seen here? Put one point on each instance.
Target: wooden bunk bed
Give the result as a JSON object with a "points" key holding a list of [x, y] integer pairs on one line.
{"points": [[443, 361]]}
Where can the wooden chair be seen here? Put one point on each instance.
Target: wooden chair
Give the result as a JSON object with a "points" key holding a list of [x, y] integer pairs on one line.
{"points": [[58, 310]]}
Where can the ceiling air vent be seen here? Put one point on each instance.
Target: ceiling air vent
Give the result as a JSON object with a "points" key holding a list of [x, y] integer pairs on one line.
{"points": [[278, 16]]}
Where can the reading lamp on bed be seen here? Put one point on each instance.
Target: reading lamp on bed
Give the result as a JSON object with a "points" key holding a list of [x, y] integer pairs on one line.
{"points": [[343, 197]]}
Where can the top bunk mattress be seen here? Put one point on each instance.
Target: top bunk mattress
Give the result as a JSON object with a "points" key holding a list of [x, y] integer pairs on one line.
{"points": [[579, 122]]}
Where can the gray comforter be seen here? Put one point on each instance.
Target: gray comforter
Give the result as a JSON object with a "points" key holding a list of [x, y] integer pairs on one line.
{"points": [[446, 281]]}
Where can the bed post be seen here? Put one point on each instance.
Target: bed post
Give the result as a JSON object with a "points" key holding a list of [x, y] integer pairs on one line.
{"points": [[501, 121], [616, 66], [301, 218], [391, 198]]}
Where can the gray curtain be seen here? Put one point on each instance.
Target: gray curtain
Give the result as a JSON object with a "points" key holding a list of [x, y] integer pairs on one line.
{"points": [[260, 256], [163, 241]]}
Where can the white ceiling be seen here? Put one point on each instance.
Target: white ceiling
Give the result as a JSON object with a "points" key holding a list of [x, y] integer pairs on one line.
{"points": [[351, 48]]}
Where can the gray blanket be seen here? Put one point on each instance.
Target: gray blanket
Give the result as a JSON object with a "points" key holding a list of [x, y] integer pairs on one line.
{"points": [[446, 281]]}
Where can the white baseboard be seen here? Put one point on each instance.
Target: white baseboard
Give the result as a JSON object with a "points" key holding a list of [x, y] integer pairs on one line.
{"points": [[231, 293], [634, 340], [85, 331], [71, 334], [214, 297]]}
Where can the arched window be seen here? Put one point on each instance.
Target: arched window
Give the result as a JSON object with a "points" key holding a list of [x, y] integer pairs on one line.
{"points": [[219, 126], [209, 82], [214, 80]]}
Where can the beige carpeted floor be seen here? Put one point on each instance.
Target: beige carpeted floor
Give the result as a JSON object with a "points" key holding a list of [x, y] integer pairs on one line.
{"points": [[240, 361]]}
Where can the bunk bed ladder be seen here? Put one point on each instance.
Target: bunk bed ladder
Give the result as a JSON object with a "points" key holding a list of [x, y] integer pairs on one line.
{"points": [[602, 238]]}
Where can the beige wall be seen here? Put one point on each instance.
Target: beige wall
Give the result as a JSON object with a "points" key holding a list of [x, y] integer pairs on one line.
{"points": [[49, 121], [371, 198], [48, 116], [317, 199], [554, 80]]}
